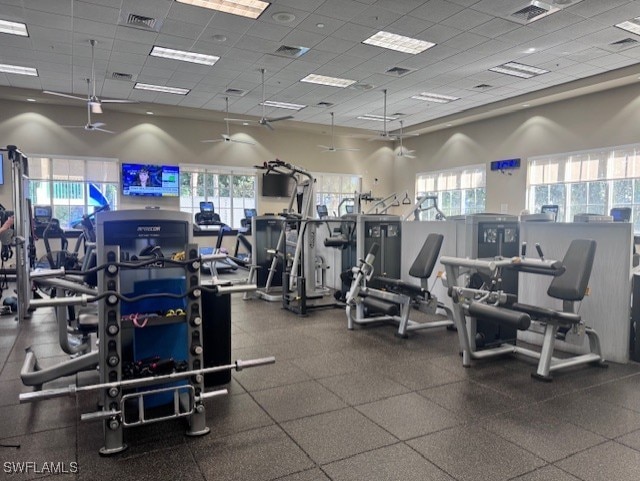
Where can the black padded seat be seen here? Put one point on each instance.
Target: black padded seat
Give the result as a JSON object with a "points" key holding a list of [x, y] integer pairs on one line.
{"points": [[88, 323], [340, 241], [541, 313], [423, 265], [379, 306]]}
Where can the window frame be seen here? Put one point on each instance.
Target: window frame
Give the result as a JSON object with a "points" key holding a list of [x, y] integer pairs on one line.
{"points": [[453, 188], [333, 197]]}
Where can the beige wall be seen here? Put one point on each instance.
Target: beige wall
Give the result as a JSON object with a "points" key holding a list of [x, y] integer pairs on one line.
{"points": [[35, 129], [598, 120]]}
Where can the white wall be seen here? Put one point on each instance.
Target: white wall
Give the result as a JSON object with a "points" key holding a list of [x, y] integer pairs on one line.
{"points": [[36, 129], [597, 120]]}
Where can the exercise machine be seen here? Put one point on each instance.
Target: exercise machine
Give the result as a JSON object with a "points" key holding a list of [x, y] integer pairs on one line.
{"points": [[489, 301], [423, 205], [391, 299]]}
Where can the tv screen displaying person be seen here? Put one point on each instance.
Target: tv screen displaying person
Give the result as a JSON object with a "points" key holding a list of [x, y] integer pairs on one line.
{"points": [[147, 177]]}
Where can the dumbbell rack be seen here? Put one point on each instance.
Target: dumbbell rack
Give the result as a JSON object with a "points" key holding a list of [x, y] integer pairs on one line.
{"points": [[116, 401]]}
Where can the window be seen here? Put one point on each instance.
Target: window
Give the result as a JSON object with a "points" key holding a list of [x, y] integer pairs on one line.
{"points": [[459, 191], [332, 189], [586, 182], [73, 186], [230, 191]]}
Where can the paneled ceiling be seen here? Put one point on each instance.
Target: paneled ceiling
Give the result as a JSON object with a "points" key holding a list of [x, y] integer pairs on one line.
{"points": [[579, 42]]}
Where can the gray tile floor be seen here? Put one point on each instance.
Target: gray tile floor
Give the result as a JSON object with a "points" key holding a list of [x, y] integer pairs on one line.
{"points": [[344, 405]]}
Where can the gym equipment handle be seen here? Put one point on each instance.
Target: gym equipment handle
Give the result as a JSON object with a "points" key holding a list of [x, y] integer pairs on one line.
{"points": [[519, 320]]}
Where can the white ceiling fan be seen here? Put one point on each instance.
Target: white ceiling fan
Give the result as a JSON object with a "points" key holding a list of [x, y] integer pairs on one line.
{"points": [[227, 137], [95, 104], [264, 120], [402, 152], [90, 125], [333, 148]]}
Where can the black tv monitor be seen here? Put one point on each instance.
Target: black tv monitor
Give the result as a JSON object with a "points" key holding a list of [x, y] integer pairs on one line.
{"points": [[322, 211], [42, 214], [249, 213], [550, 209], [150, 180], [206, 207], [276, 185]]}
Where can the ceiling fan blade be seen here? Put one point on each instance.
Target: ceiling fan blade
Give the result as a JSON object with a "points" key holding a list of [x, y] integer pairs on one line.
{"points": [[240, 120], [238, 141], [325, 147], [73, 126], [278, 119], [384, 136], [104, 130], [118, 101], [212, 141], [347, 149], [266, 123], [75, 97], [99, 124]]}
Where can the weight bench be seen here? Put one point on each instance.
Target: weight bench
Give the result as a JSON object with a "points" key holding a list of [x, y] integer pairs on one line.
{"points": [[391, 299], [569, 284]]}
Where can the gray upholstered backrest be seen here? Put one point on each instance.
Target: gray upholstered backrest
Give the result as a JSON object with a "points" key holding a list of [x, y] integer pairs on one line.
{"points": [[578, 261], [423, 266]]}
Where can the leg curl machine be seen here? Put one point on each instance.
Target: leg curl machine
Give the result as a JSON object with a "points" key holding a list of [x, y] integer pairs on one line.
{"points": [[393, 304], [569, 284]]}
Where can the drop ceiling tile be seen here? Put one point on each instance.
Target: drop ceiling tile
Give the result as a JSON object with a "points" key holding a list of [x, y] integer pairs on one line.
{"points": [[49, 20], [590, 9], [521, 35], [436, 10], [62, 7], [14, 13], [467, 19], [587, 54], [92, 11], [319, 56], [268, 16], [184, 30], [44, 67], [465, 41], [128, 34], [341, 9], [335, 45], [25, 82], [353, 32], [234, 23], [303, 38], [274, 63], [269, 31], [611, 61], [129, 58], [94, 29], [307, 5], [489, 47], [618, 14], [409, 26], [377, 17], [494, 27], [190, 14], [148, 8], [248, 42], [132, 47], [243, 55], [438, 34], [556, 21], [185, 79], [310, 24]]}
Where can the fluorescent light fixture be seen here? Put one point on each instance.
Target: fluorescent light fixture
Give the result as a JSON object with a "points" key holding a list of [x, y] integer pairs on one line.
{"points": [[377, 118], [149, 112], [330, 81], [161, 88], [632, 25], [282, 105], [183, 56], [437, 98], [13, 28], [399, 43], [518, 70], [31, 100], [16, 69], [244, 8]]}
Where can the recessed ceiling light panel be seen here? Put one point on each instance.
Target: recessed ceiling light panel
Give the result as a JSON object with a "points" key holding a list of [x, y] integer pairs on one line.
{"points": [[437, 98], [399, 43], [632, 25], [330, 81], [282, 105], [244, 8], [377, 118], [18, 70], [518, 70], [161, 88], [183, 56], [13, 28]]}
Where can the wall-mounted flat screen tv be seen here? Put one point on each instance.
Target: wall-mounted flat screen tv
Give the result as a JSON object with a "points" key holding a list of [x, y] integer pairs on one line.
{"points": [[276, 185], [150, 180], [1, 169]]}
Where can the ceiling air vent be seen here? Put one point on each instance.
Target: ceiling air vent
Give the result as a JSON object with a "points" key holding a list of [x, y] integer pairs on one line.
{"points": [[398, 71], [483, 86], [134, 20], [235, 92], [122, 76], [622, 45], [534, 10], [324, 105], [291, 52], [361, 86]]}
